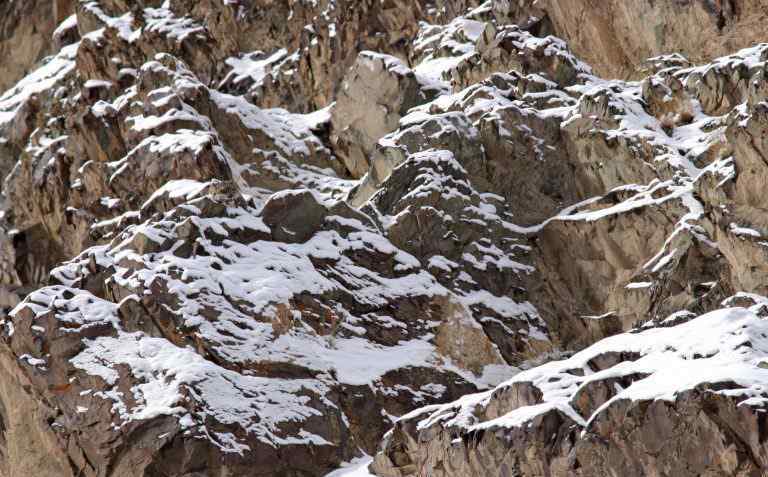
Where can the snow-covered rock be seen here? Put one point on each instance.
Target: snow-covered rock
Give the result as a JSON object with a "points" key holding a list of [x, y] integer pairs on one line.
{"points": [[250, 237]]}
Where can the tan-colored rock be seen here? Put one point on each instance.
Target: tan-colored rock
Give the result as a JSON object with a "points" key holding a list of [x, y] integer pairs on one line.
{"points": [[252, 237], [616, 37], [27, 30], [617, 408], [377, 91]]}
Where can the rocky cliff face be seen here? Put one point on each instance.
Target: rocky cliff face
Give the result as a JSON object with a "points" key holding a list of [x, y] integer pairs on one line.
{"points": [[443, 238]]}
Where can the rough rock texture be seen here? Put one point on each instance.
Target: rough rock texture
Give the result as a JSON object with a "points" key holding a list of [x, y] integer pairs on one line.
{"points": [[270, 238], [26, 33], [377, 92], [673, 399], [616, 36]]}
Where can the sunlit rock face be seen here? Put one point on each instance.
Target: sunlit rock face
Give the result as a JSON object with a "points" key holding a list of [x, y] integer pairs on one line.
{"points": [[398, 238]]}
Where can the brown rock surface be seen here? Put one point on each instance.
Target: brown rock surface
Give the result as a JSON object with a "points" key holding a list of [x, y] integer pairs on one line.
{"points": [[616, 37], [270, 237], [607, 410], [26, 29]]}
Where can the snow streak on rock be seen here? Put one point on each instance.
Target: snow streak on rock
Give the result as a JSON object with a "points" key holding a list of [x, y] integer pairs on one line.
{"points": [[252, 237]]}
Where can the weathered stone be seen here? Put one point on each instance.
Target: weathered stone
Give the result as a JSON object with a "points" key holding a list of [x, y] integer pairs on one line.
{"points": [[250, 237], [377, 91]]}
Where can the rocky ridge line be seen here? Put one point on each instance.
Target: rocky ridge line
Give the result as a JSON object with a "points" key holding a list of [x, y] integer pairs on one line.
{"points": [[243, 238]]}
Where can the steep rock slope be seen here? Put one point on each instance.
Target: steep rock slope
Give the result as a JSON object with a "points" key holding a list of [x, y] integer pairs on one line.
{"points": [[28, 32], [244, 238], [616, 36], [680, 398]]}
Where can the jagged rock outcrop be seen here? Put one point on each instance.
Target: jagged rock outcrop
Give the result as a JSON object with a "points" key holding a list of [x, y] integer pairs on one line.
{"points": [[672, 399], [27, 31], [377, 92], [616, 37], [258, 237]]}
